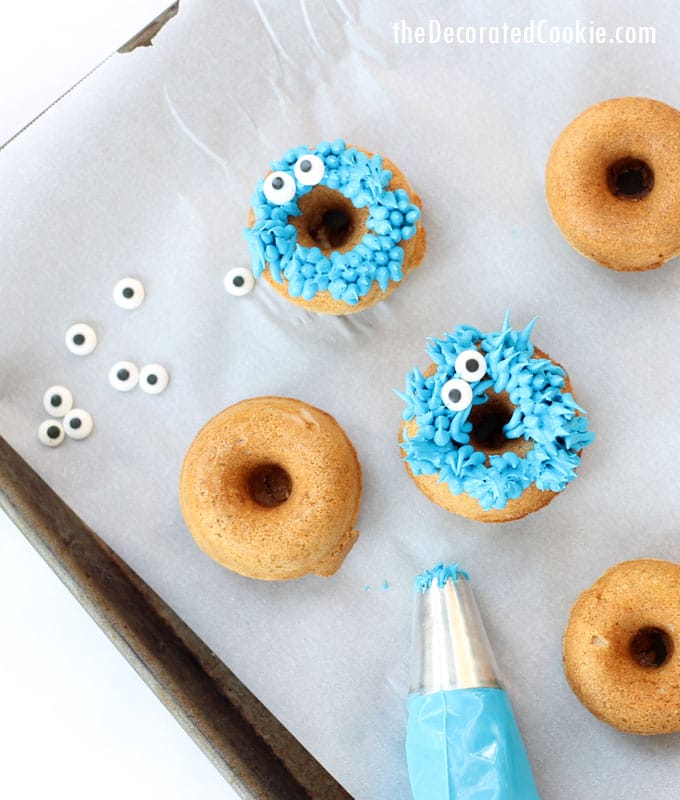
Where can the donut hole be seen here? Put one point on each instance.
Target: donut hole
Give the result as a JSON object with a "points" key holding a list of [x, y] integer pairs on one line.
{"points": [[335, 228], [630, 178], [651, 647], [488, 421], [329, 221], [269, 485]]}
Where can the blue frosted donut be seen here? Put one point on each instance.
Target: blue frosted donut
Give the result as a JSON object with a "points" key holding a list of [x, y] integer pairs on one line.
{"points": [[334, 228], [491, 430]]}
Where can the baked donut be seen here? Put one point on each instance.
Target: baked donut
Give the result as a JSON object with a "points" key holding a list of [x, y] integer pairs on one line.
{"points": [[620, 647], [334, 229], [612, 183], [270, 488], [491, 430]]}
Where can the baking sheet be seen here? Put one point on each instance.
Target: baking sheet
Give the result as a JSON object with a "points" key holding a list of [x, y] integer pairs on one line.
{"points": [[147, 169]]}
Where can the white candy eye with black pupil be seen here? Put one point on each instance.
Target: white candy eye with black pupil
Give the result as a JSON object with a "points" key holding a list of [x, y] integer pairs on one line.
{"points": [[81, 339], [123, 376], [470, 365], [57, 401], [78, 424], [128, 293], [153, 378], [239, 281], [279, 188], [456, 394], [51, 433], [309, 170]]}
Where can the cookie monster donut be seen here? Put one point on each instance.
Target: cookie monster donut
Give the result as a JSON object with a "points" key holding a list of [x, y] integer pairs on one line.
{"points": [[333, 228], [621, 649], [491, 430], [612, 183]]}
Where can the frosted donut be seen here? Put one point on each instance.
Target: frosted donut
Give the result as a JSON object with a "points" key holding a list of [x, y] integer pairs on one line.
{"points": [[270, 488], [334, 229], [491, 430], [620, 647], [612, 183]]}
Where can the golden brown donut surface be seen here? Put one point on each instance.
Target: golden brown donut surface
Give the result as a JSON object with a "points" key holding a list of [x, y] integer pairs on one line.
{"points": [[270, 488], [621, 648], [313, 229], [612, 183]]}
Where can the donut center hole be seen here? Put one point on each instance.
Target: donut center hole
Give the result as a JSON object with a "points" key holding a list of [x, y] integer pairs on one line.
{"points": [[329, 221], [488, 420], [269, 485], [651, 647], [630, 178], [334, 230]]}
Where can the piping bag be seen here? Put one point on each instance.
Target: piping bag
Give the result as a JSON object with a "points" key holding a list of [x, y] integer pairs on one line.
{"points": [[462, 740]]}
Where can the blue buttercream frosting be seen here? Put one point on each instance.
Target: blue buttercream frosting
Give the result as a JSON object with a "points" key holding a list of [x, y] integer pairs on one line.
{"points": [[439, 575], [348, 276], [544, 415]]}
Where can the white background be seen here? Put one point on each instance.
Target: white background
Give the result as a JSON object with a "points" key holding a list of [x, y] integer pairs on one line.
{"points": [[77, 721], [147, 169], [47, 47]]}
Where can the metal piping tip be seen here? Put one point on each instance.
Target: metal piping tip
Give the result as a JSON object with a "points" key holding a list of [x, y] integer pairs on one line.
{"points": [[450, 647]]}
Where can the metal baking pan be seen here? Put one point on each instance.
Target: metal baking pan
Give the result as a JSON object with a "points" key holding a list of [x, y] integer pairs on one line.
{"points": [[259, 757]]}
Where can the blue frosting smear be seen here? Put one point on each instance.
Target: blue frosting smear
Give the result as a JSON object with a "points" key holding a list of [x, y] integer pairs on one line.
{"points": [[544, 415], [347, 276], [439, 575]]}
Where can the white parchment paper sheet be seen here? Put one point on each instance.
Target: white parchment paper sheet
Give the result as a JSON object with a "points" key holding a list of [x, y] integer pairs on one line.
{"points": [[147, 169]]}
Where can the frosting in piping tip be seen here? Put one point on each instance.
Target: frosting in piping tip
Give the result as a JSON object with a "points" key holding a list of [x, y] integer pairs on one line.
{"points": [[349, 275], [439, 575], [544, 414]]}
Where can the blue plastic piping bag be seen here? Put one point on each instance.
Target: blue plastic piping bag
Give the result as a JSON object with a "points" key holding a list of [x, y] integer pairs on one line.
{"points": [[462, 740]]}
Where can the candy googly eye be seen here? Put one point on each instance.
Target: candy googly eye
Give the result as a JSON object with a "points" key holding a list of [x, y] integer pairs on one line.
{"points": [[279, 188], [57, 401], [78, 424], [128, 293], [123, 376], [309, 170], [456, 394], [153, 378], [81, 339], [239, 281], [51, 433], [470, 365]]}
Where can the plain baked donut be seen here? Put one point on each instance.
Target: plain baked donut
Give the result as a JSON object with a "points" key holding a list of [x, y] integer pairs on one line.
{"points": [[620, 647], [270, 488], [334, 229], [491, 430], [612, 183]]}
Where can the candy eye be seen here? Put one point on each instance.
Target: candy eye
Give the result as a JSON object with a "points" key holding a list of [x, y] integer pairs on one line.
{"points": [[123, 376], [57, 401], [81, 339], [51, 433], [239, 281], [153, 378], [279, 188], [470, 365], [456, 394], [78, 424], [309, 170], [128, 293]]}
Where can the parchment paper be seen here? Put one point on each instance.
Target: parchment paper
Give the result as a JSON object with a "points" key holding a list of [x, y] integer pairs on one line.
{"points": [[147, 168]]}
